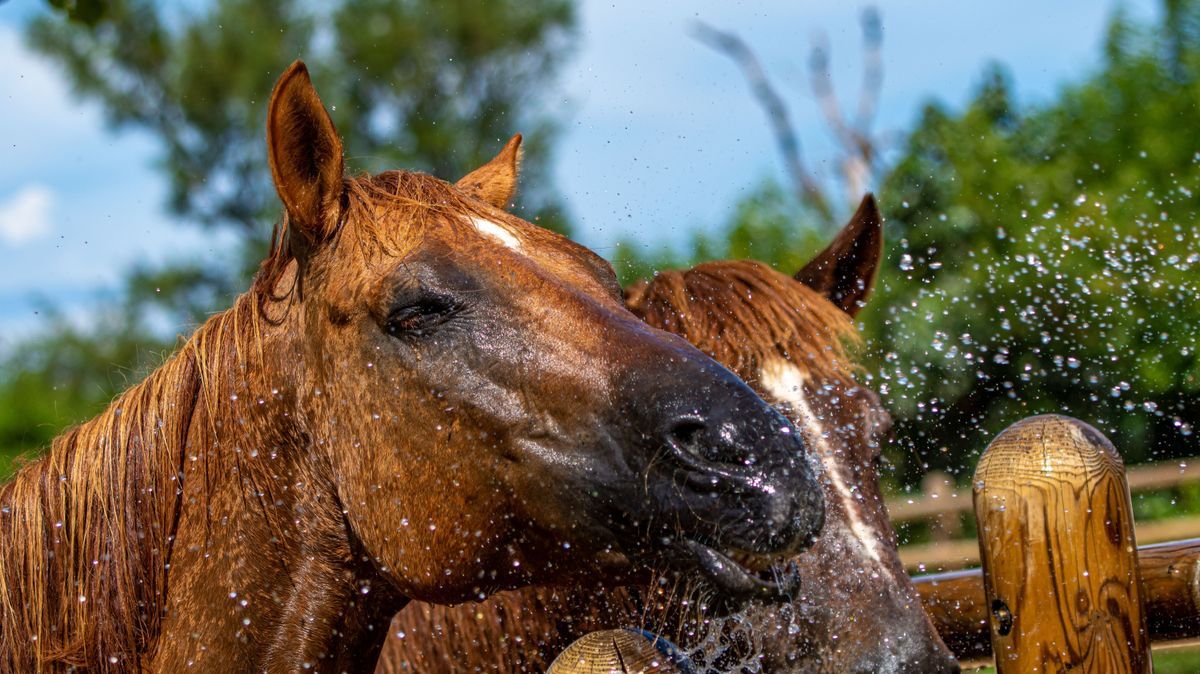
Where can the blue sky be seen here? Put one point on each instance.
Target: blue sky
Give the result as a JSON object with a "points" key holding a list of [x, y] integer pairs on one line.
{"points": [[661, 136]]}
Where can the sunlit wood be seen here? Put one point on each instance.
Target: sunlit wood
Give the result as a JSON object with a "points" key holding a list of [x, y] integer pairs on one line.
{"points": [[614, 652], [1056, 539], [1170, 578]]}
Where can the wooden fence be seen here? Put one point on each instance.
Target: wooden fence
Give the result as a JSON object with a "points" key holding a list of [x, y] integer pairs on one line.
{"points": [[1063, 585], [1170, 575], [944, 504]]}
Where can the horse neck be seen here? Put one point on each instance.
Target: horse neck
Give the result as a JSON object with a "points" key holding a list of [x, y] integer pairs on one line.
{"points": [[265, 574]]}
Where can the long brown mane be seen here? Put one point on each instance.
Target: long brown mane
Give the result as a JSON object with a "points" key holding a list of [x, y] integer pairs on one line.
{"points": [[744, 314], [86, 531]]}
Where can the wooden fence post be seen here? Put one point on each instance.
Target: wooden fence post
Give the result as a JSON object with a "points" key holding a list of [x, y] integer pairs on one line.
{"points": [[1059, 557]]}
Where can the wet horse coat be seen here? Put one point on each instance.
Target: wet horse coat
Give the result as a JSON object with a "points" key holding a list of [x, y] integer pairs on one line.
{"points": [[857, 611], [418, 398]]}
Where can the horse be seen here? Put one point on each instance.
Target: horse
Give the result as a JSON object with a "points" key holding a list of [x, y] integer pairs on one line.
{"points": [[857, 610], [420, 397]]}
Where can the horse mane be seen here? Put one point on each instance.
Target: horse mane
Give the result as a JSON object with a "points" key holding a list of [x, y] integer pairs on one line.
{"points": [[745, 314], [86, 531]]}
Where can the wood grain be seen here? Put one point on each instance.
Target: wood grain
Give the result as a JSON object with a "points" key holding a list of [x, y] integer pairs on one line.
{"points": [[1059, 556], [1170, 572], [615, 652]]}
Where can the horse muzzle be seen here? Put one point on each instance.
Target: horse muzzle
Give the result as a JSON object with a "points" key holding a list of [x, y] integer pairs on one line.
{"points": [[725, 475]]}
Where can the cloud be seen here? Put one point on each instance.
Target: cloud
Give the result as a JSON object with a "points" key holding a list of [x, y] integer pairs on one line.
{"points": [[26, 216]]}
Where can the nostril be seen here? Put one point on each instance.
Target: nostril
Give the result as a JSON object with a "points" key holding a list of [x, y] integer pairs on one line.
{"points": [[687, 434]]}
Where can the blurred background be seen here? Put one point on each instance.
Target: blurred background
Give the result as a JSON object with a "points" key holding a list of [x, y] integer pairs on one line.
{"points": [[1038, 165]]}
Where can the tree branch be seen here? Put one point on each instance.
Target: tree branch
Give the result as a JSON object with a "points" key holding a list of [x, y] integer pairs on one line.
{"points": [[808, 190], [872, 83]]}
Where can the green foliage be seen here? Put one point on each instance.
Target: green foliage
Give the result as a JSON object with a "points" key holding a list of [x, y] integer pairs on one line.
{"points": [[430, 85], [86, 12], [1045, 259], [1184, 660]]}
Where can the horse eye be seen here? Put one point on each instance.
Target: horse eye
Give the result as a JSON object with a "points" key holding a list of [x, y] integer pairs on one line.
{"points": [[417, 318]]}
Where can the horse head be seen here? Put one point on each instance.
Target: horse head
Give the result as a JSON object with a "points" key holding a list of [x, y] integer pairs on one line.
{"points": [[490, 413], [858, 610]]}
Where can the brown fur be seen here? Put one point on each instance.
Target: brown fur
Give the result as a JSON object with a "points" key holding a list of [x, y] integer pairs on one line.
{"points": [[744, 314]]}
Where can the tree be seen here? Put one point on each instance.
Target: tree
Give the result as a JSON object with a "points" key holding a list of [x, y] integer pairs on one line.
{"points": [[1047, 257], [429, 85]]}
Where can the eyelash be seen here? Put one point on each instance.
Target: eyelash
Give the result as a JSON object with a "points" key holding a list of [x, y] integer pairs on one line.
{"points": [[415, 319]]}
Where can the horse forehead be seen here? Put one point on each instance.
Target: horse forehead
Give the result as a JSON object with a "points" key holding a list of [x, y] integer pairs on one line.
{"points": [[527, 257]]}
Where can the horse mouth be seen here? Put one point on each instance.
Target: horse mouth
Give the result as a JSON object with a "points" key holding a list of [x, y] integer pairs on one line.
{"points": [[742, 577]]}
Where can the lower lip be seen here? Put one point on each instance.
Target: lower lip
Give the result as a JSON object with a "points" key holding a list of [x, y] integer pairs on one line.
{"points": [[736, 581]]}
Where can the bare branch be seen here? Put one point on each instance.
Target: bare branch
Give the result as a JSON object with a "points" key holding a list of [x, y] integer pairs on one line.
{"points": [[822, 85], [868, 101], [808, 190], [859, 148]]}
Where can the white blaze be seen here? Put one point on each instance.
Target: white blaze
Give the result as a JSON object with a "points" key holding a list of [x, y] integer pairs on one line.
{"points": [[496, 231], [785, 382]]}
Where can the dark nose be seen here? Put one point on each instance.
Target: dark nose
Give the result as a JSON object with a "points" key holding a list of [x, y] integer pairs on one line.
{"points": [[693, 436], [690, 413], [721, 424]]}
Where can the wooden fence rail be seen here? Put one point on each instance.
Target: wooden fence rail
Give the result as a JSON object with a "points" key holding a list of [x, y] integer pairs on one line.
{"points": [[945, 504], [1170, 576], [949, 499]]}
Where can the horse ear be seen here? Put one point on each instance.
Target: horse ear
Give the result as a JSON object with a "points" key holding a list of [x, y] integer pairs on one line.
{"points": [[496, 181], [845, 271], [305, 154]]}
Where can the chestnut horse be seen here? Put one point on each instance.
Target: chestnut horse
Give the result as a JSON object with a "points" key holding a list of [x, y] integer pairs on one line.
{"points": [[857, 610], [420, 397]]}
